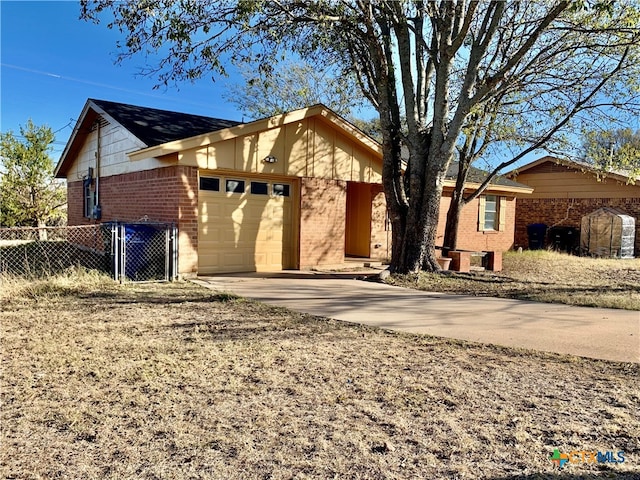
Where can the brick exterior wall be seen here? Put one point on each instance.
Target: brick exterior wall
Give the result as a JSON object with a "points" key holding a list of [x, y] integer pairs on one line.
{"points": [[469, 237], [161, 195], [171, 195], [323, 207], [568, 212], [187, 179]]}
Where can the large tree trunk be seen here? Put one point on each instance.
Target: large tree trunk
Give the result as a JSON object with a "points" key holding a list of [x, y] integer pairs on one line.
{"points": [[431, 214], [455, 209], [450, 241], [418, 248], [393, 189], [392, 175]]}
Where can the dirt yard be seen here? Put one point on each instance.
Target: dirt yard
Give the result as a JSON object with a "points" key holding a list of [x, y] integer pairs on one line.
{"points": [[171, 381]]}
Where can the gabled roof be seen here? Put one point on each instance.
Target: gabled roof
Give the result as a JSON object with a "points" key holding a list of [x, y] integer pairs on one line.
{"points": [[154, 126], [577, 165], [476, 176], [258, 125], [151, 126]]}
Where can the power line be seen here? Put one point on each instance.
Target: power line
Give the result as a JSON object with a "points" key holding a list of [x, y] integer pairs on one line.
{"points": [[71, 121]]}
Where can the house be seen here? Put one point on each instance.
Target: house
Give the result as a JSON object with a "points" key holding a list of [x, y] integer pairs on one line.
{"points": [[297, 190], [486, 224], [293, 191], [566, 191]]}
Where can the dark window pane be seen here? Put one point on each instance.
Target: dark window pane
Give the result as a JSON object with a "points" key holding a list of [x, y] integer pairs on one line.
{"points": [[259, 188], [281, 189], [235, 186], [210, 183]]}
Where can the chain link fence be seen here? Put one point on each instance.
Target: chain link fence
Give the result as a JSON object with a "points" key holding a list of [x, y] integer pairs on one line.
{"points": [[145, 251], [127, 251]]}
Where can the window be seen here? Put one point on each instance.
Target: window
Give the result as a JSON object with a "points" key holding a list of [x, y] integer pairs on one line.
{"points": [[491, 216], [259, 188], [280, 190], [490, 211], [235, 186], [89, 198], [210, 184]]}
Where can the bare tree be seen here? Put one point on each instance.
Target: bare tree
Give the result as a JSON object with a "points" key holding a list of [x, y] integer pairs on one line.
{"points": [[430, 68]]}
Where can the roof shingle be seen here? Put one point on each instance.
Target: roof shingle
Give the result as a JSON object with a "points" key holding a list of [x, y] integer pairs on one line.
{"points": [[155, 127], [477, 175]]}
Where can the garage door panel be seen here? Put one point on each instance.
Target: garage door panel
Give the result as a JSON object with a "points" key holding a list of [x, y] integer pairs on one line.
{"points": [[233, 259], [244, 232], [228, 235], [257, 210], [261, 259]]}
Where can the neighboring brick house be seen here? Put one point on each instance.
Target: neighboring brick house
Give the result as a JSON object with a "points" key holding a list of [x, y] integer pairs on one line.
{"points": [[486, 224], [294, 191], [565, 191]]}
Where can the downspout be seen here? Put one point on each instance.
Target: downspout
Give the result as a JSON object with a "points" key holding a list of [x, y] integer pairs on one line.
{"points": [[97, 210]]}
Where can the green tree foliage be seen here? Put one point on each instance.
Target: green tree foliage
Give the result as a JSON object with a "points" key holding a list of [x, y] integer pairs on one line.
{"points": [[613, 150], [29, 194], [433, 70], [294, 85], [370, 127]]}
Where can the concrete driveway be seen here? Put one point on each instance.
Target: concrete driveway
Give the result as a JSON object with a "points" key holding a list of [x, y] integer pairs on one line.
{"points": [[589, 332]]}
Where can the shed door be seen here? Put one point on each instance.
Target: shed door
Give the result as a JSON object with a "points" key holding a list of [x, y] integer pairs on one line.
{"points": [[244, 224]]}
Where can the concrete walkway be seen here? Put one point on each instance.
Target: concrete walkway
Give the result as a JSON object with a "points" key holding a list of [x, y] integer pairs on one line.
{"points": [[589, 332]]}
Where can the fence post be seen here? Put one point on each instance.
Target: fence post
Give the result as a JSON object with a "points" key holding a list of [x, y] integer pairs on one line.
{"points": [[114, 250], [123, 252], [174, 250], [167, 250]]}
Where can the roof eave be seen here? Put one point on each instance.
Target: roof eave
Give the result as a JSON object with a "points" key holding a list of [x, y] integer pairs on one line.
{"points": [[59, 171], [256, 126], [64, 162], [494, 188], [567, 163]]}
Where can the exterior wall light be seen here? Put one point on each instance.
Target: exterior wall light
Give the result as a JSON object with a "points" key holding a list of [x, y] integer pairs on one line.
{"points": [[269, 159]]}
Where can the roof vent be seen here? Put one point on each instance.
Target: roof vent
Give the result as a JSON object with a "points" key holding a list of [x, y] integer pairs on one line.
{"points": [[99, 121]]}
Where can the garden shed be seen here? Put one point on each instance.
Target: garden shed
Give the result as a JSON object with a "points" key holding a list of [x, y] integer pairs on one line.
{"points": [[608, 232]]}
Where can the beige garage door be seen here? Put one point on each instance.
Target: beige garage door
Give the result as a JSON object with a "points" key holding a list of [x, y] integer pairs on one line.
{"points": [[245, 224]]}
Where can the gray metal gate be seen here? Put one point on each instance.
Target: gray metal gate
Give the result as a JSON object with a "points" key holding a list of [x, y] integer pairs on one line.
{"points": [[144, 251]]}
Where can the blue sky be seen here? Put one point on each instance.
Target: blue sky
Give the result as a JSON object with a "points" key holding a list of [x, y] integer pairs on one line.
{"points": [[51, 62]]}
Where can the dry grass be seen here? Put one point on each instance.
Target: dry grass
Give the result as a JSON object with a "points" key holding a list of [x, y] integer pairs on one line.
{"points": [[171, 381], [73, 281], [545, 277]]}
